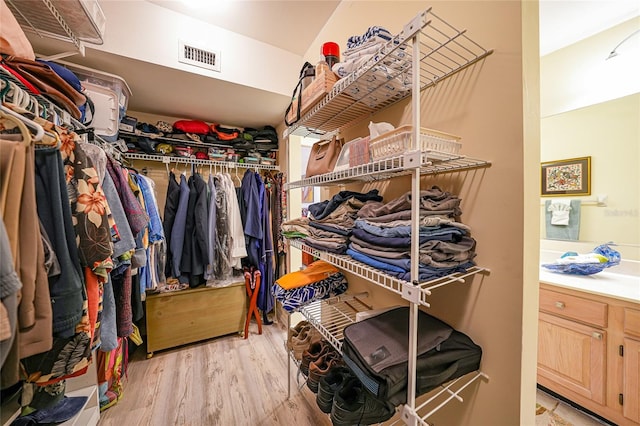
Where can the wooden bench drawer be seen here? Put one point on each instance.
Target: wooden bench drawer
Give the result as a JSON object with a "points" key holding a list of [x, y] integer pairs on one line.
{"points": [[632, 321], [573, 307], [188, 316]]}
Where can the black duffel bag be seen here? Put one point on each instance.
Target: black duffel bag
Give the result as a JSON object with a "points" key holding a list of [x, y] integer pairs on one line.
{"points": [[376, 350]]}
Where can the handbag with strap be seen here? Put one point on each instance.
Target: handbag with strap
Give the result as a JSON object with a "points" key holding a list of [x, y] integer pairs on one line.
{"points": [[323, 156], [307, 70]]}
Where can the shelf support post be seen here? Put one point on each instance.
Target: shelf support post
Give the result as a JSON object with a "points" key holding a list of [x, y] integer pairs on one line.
{"points": [[409, 410]]}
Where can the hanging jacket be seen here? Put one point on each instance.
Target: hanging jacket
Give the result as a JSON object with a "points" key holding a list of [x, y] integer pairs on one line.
{"points": [[170, 209]]}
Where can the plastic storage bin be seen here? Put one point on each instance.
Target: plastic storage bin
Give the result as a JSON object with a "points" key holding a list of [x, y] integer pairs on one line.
{"points": [[106, 117], [440, 145], [107, 91], [353, 153]]}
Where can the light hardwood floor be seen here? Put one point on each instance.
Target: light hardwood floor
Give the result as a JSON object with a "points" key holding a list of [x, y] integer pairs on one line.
{"points": [[233, 382], [222, 381]]}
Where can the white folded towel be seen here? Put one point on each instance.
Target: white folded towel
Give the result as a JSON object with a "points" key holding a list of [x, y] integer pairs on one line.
{"points": [[560, 212]]}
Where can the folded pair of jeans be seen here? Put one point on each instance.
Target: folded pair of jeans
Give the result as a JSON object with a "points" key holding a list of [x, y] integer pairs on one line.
{"points": [[66, 409]]}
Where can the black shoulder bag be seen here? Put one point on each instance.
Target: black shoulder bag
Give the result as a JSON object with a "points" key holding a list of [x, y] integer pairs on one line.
{"points": [[306, 71]]}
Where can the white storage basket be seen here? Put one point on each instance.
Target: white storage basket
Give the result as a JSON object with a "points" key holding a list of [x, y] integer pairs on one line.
{"points": [[396, 142]]}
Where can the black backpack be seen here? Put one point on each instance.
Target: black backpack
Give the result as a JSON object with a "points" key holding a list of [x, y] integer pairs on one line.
{"points": [[376, 350]]}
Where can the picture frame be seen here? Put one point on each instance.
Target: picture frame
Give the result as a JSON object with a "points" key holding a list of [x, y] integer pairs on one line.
{"points": [[566, 177]]}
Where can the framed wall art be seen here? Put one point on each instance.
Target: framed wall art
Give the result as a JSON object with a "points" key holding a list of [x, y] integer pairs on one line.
{"points": [[566, 177]]}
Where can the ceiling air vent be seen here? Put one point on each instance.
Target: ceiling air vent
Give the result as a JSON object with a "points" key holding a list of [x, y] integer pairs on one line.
{"points": [[209, 59]]}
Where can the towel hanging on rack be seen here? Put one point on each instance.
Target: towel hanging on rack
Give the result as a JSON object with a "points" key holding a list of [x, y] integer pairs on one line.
{"points": [[560, 212]]}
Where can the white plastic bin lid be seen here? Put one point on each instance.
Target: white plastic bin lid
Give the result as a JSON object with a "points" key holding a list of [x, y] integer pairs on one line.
{"points": [[96, 76], [106, 116]]}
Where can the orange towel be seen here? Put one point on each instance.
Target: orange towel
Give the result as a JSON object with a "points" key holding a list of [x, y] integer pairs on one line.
{"points": [[317, 271]]}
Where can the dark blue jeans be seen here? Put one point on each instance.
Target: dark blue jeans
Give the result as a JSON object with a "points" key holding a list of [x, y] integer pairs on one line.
{"points": [[54, 210]]}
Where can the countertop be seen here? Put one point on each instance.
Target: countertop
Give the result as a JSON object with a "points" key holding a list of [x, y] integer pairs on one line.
{"points": [[609, 284]]}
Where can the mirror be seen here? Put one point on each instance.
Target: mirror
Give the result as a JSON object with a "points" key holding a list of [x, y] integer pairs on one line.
{"points": [[590, 107]]}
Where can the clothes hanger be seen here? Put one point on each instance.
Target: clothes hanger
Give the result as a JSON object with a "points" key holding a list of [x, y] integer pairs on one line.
{"points": [[32, 125], [11, 93], [26, 134]]}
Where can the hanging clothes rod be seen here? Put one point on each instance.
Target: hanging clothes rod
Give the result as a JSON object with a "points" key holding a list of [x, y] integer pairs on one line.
{"points": [[42, 107]]}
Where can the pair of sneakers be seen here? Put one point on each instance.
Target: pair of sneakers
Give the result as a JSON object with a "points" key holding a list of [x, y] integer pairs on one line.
{"points": [[329, 385], [300, 337], [314, 351], [343, 395], [321, 367]]}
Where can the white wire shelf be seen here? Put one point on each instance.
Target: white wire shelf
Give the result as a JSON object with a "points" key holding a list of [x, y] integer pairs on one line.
{"points": [[197, 162], [445, 51], [382, 279], [331, 316], [176, 141], [67, 20], [441, 398], [393, 167]]}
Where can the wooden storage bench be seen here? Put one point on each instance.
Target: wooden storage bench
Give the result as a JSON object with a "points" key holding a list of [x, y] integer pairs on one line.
{"points": [[187, 316]]}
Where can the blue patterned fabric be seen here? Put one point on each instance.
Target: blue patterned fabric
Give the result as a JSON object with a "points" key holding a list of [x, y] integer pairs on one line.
{"points": [[612, 255], [297, 297], [371, 34], [156, 231]]}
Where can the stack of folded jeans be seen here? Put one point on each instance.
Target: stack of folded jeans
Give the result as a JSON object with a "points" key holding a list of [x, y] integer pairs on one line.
{"points": [[381, 237], [332, 222]]}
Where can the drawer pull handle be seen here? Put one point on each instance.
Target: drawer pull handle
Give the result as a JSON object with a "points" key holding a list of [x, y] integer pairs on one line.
{"points": [[596, 335], [560, 305]]}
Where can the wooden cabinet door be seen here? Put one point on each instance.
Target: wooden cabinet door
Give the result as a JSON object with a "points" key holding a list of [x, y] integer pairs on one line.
{"points": [[631, 406], [572, 355]]}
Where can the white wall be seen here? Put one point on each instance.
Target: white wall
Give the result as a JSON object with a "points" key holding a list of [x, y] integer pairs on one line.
{"points": [[485, 105], [609, 132], [579, 75], [590, 106], [150, 33]]}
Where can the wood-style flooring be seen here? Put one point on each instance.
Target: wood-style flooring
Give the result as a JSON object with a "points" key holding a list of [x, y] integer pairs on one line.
{"points": [[222, 381], [235, 382]]}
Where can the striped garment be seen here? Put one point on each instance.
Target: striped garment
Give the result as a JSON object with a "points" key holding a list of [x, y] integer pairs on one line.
{"points": [[297, 297]]}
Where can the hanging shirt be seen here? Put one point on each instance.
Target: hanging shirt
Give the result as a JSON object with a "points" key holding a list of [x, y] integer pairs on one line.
{"points": [[265, 295], [125, 242], [253, 226], [222, 268], [170, 209], [136, 216], [187, 247], [88, 206], [147, 186], [238, 249], [199, 249], [178, 230], [211, 235]]}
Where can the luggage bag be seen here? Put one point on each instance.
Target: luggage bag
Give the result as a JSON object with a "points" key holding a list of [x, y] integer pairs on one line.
{"points": [[376, 350]]}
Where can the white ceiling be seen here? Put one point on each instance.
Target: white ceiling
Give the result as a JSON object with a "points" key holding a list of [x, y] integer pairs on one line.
{"points": [[564, 22], [290, 25], [171, 92]]}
